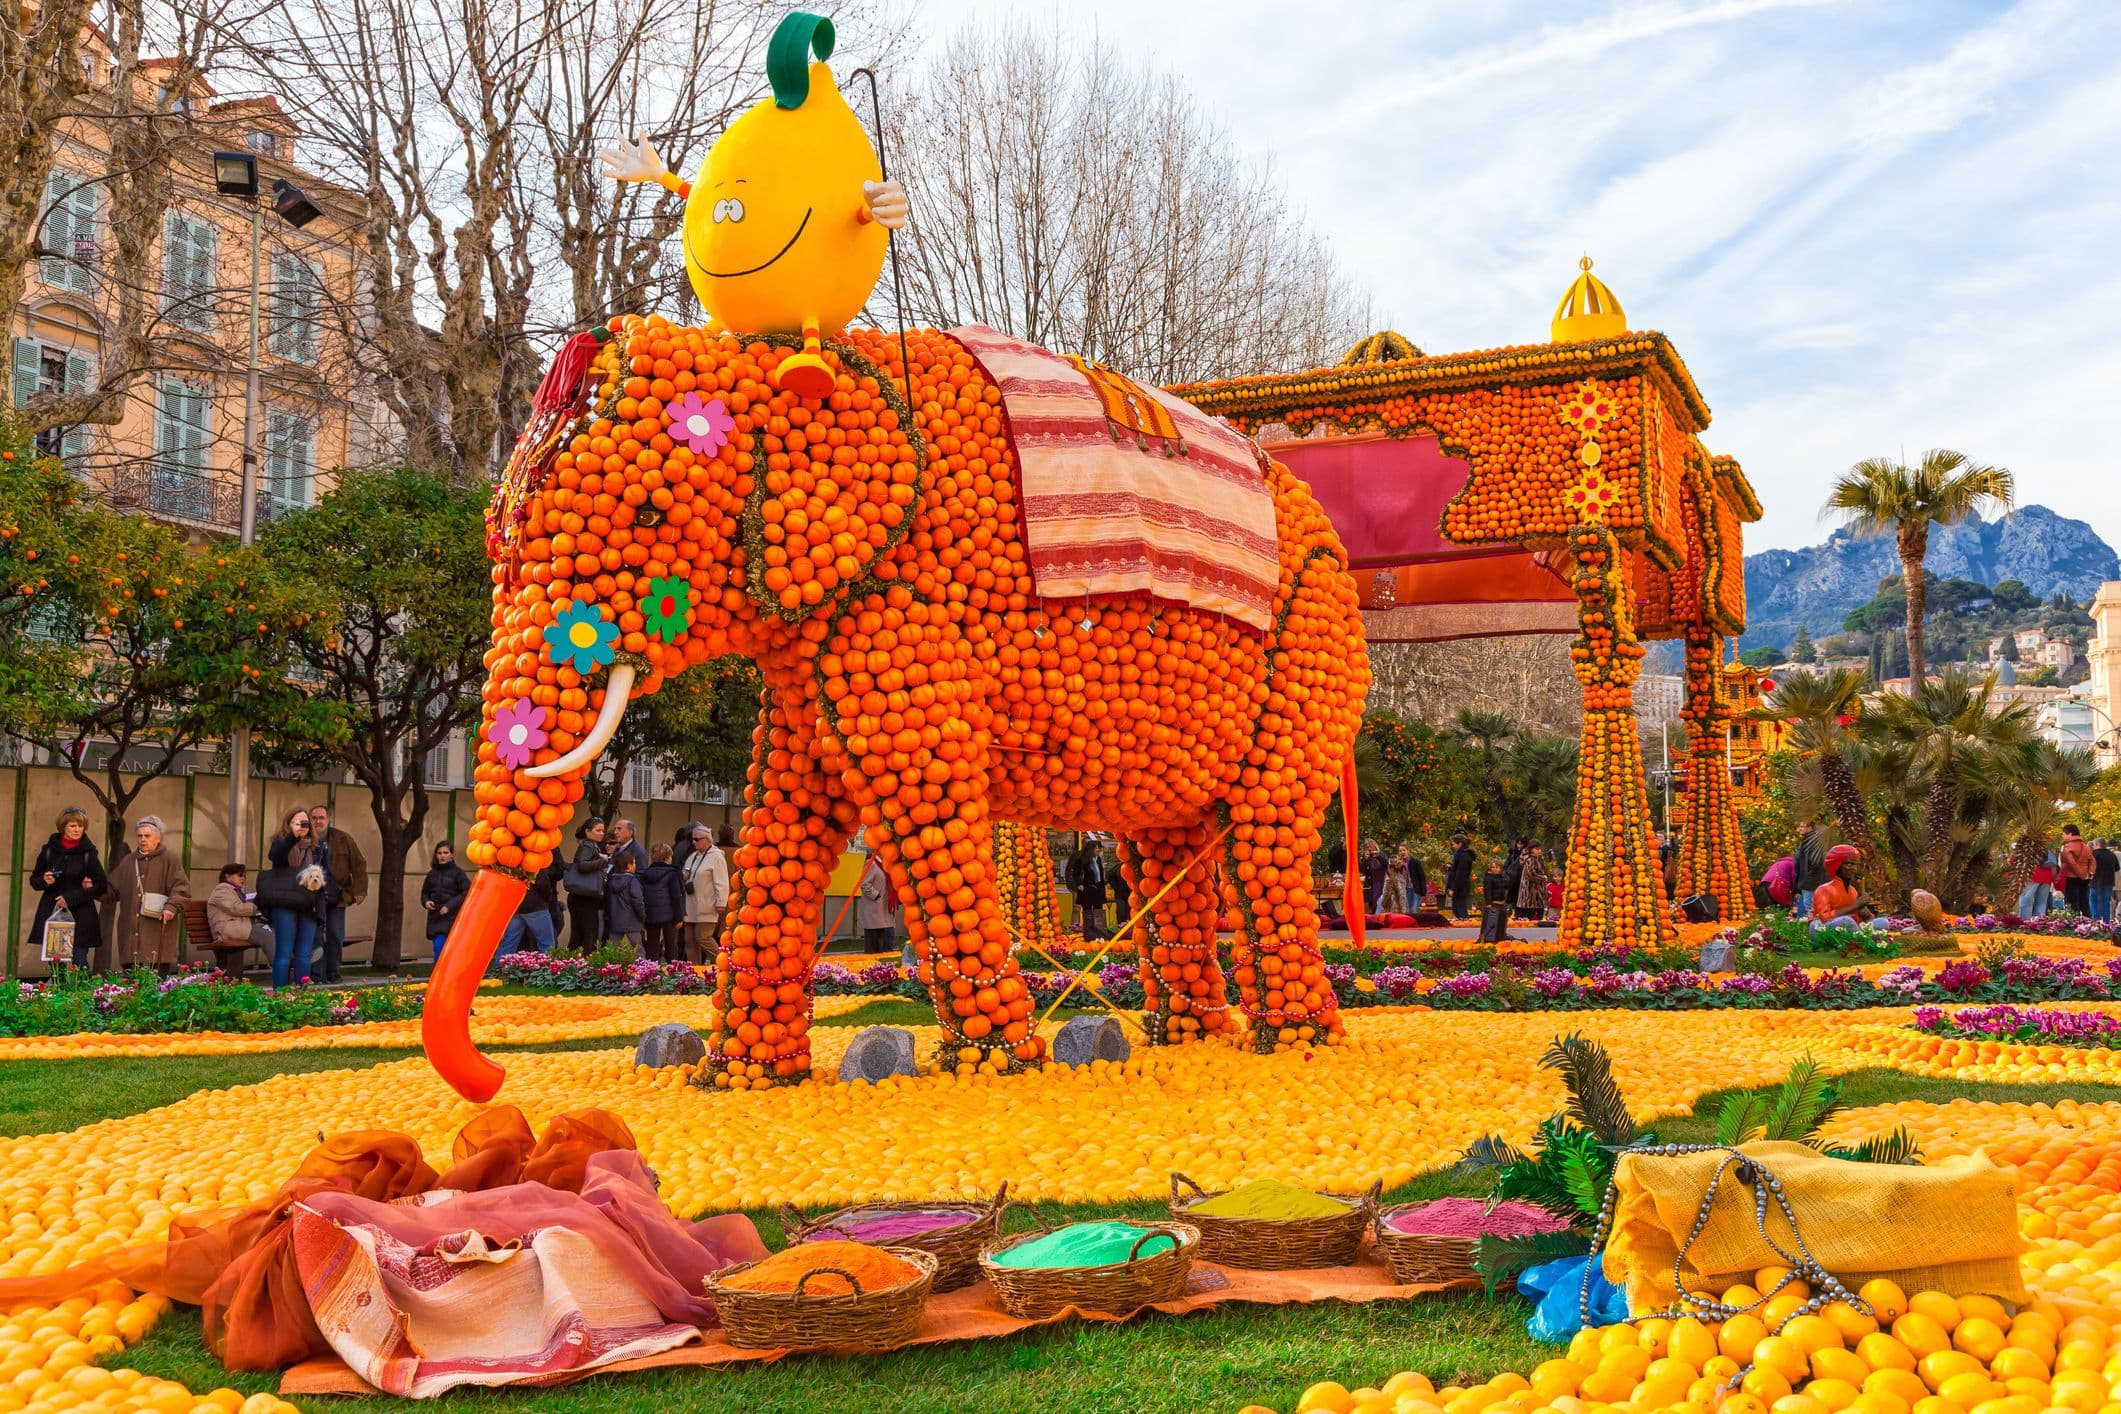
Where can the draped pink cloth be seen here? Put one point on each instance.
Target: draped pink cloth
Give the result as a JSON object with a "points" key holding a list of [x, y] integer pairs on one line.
{"points": [[525, 1284]]}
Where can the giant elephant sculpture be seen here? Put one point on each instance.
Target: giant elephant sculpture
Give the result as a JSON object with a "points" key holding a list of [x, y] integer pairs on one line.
{"points": [[849, 511]]}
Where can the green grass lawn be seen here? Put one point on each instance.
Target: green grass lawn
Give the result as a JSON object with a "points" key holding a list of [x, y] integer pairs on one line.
{"points": [[1219, 1359]]}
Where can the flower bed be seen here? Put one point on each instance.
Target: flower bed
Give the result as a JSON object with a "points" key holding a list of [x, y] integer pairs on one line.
{"points": [[2089, 1029], [602, 979], [202, 999]]}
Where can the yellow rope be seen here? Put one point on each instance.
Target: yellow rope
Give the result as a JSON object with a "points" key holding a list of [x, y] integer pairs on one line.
{"points": [[1113, 942]]}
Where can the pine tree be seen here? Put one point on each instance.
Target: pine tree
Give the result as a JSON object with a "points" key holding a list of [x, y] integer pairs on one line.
{"points": [[1801, 650]]}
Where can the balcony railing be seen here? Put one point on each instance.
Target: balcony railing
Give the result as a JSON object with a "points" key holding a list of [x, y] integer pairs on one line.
{"points": [[181, 493], [178, 493]]}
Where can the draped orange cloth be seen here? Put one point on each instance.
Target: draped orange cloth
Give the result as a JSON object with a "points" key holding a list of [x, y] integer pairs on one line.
{"points": [[238, 1266]]}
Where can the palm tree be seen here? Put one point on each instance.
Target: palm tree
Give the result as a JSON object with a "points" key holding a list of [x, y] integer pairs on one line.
{"points": [[1487, 731], [1944, 488], [1541, 775], [2047, 777], [1820, 709], [1965, 749]]}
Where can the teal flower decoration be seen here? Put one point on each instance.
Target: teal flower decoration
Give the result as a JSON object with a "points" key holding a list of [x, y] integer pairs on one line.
{"points": [[666, 609], [580, 639]]}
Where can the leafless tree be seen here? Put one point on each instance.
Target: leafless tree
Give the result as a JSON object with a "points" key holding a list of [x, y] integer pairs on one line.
{"points": [[148, 120], [471, 127], [1086, 204], [1526, 677]]}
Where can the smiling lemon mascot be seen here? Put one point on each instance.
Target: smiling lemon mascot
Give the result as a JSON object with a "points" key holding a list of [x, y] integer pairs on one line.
{"points": [[786, 228]]}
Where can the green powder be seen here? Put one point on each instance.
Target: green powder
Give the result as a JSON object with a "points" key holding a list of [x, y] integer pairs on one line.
{"points": [[1084, 1245], [1265, 1198]]}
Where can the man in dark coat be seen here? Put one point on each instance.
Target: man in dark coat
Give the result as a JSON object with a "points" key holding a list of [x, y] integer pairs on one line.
{"points": [[1458, 879], [1085, 877], [1810, 859]]}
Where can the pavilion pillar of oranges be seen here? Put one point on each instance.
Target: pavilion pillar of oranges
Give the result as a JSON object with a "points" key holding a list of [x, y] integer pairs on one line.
{"points": [[1558, 487]]}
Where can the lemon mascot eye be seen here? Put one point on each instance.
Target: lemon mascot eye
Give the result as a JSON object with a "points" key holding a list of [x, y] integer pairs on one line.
{"points": [[787, 227]]}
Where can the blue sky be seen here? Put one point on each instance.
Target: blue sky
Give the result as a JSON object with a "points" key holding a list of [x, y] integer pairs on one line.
{"points": [[1869, 227]]}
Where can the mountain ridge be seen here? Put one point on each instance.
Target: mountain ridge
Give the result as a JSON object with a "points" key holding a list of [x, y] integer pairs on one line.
{"points": [[1818, 585]]}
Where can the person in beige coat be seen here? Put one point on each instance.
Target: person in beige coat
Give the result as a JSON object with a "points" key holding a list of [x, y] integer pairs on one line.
{"points": [[706, 876], [230, 915], [144, 936]]}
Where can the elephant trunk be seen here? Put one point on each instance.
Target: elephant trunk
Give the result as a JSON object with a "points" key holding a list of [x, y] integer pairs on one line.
{"points": [[445, 1019]]}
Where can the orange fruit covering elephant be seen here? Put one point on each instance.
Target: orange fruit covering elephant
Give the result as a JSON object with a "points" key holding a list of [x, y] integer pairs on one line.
{"points": [[872, 563]]}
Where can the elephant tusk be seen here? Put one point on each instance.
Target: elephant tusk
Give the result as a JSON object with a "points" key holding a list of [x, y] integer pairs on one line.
{"points": [[616, 691]]}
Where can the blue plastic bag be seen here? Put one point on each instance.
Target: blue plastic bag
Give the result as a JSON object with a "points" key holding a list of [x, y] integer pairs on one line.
{"points": [[1556, 1288]]}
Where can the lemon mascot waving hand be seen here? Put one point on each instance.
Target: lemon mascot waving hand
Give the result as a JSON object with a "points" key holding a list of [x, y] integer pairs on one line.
{"points": [[786, 229]]}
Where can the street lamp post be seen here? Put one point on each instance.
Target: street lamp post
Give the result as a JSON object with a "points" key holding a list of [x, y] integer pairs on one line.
{"points": [[236, 174]]}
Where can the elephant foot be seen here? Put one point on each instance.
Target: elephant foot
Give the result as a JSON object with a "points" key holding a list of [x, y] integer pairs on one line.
{"points": [[965, 1060], [731, 1074]]}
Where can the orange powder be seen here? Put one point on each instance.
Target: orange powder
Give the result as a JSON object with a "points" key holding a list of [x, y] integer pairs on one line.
{"points": [[873, 1268]]}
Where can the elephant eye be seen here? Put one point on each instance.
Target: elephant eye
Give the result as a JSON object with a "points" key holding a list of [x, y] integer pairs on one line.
{"points": [[728, 209]]}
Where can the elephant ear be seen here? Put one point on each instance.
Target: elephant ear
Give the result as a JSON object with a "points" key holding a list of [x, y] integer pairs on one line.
{"points": [[836, 487]]}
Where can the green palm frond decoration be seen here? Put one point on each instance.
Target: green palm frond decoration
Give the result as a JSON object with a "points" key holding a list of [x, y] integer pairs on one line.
{"points": [[1500, 1259], [1741, 1118], [1595, 1100], [1899, 1147], [1803, 1103], [1490, 1151]]}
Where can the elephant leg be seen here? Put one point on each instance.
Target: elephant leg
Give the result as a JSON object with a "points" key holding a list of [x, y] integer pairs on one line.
{"points": [[911, 743], [794, 828], [1183, 995], [1306, 729]]}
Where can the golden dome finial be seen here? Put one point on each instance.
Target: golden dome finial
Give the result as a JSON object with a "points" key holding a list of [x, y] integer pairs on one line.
{"points": [[1588, 310]]}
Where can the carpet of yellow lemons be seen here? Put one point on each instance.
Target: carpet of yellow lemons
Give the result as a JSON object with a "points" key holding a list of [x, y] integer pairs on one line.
{"points": [[1920, 1353], [1405, 1093]]}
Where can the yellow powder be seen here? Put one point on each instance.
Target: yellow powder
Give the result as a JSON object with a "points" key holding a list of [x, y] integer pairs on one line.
{"points": [[1265, 1198]]}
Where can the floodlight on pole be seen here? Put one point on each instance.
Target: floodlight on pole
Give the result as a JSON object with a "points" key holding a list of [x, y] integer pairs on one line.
{"points": [[235, 174]]}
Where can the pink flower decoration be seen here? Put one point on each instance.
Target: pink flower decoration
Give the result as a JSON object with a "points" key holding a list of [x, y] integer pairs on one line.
{"points": [[518, 730], [704, 427]]}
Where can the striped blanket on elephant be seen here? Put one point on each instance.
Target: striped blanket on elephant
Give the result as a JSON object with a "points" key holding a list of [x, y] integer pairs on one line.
{"points": [[1129, 490]]}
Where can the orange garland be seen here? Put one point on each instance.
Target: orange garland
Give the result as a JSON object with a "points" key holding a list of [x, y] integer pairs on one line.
{"points": [[915, 685]]}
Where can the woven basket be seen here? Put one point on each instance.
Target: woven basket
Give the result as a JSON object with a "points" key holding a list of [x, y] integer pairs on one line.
{"points": [[956, 1248], [1034, 1293], [800, 1320], [1419, 1259], [1276, 1244]]}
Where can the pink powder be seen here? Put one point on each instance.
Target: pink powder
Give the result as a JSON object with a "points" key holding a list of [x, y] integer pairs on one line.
{"points": [[1469, 1217], [886, 1226]]}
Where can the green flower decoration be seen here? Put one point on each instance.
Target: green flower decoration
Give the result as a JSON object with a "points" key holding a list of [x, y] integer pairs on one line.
{"points": [[579, 638], [666, 609]]}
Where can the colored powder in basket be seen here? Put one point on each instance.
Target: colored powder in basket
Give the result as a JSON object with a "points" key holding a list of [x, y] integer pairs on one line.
{"points": [[1085, 1245], [1265, 1198], [1469, 1217], [873, 1267], [892, 1226]]}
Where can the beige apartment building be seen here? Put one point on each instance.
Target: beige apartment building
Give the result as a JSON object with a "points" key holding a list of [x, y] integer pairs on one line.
{"points": [[176, 452]]}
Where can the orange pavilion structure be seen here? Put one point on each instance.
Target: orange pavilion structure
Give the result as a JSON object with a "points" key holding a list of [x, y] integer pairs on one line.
{"points": [[1553, 488]]}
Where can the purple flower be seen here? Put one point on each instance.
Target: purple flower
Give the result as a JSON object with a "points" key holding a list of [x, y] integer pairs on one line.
{"points": [[517, 730], [1746, 983], [1465, 984], [702, 426], [1907, 979], [1679, 980], [1962, 976], [1928, 1018], [1400, 981], [1554, 982]]}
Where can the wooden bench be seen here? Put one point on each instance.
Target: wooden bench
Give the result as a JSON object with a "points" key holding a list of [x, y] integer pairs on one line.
{"points": [[198, 932]]}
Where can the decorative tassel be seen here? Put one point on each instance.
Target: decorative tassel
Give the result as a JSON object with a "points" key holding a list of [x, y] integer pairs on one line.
{"points": [[563, 381]]}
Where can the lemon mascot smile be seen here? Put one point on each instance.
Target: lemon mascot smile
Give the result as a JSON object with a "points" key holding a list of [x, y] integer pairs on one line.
{"points": [[787, 226]]}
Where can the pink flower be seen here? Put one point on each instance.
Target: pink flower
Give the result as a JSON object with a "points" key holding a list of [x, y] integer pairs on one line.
{"points": [[704, 427], [518, 730]]}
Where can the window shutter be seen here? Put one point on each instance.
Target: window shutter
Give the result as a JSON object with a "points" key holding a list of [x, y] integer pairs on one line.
{"points": [[58, 231], [176, 260], [295, 290], [290, 459], [29, 359], [205, 276], [88, 209], [80, 378]]}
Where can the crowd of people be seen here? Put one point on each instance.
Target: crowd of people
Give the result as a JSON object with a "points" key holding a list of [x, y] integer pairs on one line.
{"points": [[666, 901], [132, 913], [2078, 876]]}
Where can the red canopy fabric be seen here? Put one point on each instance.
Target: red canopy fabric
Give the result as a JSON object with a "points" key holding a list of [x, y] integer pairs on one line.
{"points": [[1384, 494]]}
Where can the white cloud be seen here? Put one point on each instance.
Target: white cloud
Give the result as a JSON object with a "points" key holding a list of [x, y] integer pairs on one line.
{"points": [[1867, 226]]}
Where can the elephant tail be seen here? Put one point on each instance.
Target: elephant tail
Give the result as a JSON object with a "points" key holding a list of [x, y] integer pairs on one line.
{"points": [[1352, 901]]}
